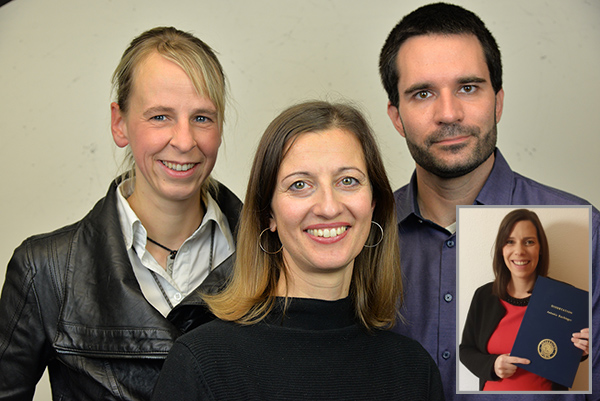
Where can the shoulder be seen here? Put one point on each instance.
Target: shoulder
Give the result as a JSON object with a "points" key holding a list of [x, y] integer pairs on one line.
{"points": [[216, 334], [529, 191], [397, 344], [409, 354], [484, 290], [58, 244], [484, 295], [40, 247]]}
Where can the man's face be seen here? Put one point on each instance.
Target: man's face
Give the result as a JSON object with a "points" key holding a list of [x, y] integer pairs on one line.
{"points": [[447, 106]]}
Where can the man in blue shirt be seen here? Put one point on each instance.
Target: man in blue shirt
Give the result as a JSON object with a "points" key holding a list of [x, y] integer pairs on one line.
{"points": [[442, 71]]}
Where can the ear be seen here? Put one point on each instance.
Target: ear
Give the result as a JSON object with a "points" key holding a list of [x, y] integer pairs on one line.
{"points": [[499, 104], [118, 126], [272, 224], [394, 114]]}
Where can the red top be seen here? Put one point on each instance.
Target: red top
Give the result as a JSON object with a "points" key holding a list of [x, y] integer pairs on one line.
{"points": [[501, 342]]}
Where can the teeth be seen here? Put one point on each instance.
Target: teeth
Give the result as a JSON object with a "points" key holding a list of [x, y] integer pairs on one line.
{"points": [[520, 262], [178, 167], [327, 233]]}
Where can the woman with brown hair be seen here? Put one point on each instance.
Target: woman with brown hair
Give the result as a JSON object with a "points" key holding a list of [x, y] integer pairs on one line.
{"points": [[316, 280], [520, 255]]}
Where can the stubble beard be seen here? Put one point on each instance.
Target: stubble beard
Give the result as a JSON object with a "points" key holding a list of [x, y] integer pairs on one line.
{"points": [[484, 147]]}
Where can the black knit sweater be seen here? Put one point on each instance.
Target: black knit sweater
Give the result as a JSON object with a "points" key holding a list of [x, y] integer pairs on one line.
{"points": [[315, 352]]}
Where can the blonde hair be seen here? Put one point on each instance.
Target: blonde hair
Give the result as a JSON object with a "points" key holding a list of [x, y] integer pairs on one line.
{"points": [[376, 285], [194, 56]]}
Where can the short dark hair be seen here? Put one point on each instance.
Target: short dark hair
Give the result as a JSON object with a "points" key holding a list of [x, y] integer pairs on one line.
{"points": [[506, 226], [443, 19]]}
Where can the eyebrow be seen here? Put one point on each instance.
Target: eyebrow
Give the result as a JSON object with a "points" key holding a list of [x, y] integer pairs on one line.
{"points": [[307, 174], [419, 86], [157, 110]]}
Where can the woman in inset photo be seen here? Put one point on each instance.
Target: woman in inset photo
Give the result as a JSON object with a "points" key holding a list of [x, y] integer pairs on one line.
{"points": [[521, 253]]}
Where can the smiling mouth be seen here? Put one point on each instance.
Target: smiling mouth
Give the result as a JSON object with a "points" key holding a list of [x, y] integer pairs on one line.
{"points": [[178, 167], [327, 233], [520, 262]]}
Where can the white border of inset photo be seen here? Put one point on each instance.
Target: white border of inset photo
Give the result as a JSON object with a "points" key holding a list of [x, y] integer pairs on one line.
{"points": [[568, 229]]}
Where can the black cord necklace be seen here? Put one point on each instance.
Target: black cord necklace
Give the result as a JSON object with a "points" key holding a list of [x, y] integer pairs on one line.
{"points": [[172, 253]]}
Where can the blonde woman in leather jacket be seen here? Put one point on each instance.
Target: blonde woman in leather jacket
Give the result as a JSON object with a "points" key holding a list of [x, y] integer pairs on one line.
{"points": [[100, 302]]}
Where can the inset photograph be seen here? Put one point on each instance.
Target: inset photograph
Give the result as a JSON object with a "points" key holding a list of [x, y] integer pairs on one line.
{"points": [[524, 306]]}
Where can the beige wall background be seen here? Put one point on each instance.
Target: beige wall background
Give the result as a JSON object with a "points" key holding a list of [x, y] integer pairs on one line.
{"points": [[568, 232], [57, 57]]}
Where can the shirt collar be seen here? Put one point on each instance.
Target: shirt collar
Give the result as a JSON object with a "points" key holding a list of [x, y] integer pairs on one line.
{"points": [[214, 212], [406, 201], [135, 234], [497, 190], [499, 186], [130, 224]]}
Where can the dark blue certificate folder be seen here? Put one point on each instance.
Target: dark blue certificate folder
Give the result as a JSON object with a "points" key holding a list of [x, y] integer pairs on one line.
{"points": [[556, 310]]}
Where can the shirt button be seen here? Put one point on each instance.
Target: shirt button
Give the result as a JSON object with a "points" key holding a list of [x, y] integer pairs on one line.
{"points": [[450, 243], [446, 355], [177, 296], [448, 297]]}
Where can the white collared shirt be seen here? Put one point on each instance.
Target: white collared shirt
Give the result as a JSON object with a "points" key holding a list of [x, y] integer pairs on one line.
{"points": [[190, 266]]}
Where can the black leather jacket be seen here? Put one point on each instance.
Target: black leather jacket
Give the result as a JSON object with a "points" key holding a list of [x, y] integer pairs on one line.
{"points": [[72, 302]]}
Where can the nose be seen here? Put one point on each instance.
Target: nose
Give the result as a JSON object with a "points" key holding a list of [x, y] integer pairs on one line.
{"points": [[328, 203], [519, 249], [449, 108], [183, 137]]}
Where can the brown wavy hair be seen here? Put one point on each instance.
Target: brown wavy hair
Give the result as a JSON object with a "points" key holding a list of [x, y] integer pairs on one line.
{"points": [[376, 285]]}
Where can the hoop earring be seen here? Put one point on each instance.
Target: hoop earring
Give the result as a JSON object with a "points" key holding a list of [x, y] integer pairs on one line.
{"points": [[261, 246], [380, 239]]}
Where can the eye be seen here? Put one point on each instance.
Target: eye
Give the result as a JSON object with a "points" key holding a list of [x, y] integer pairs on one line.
{"points": [[201, 119], [509, 242], [159, 118], [468, 88], [530, 242], [349, 181], [298, 185], [422, 95]]}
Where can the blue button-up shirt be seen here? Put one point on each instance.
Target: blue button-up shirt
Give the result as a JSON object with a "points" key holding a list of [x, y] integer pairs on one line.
{"points": [[428, 256]]}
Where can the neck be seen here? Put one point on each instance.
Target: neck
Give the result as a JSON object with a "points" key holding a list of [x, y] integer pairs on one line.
{"points": [[329, 286], [520, 287], [168, 222], [438, 197]]}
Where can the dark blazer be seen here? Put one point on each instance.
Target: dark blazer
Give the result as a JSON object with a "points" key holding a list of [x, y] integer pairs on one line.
{"points": [[71, 302], [485, 313]]}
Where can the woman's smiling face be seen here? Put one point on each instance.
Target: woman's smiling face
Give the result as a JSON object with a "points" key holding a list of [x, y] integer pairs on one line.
{"points": [[173, 132], [323, 203], [522, 250]]}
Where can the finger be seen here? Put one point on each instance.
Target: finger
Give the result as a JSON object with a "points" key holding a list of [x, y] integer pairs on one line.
{"points": [[582, 345], [583, 334], [514, 359], [507, 371]]}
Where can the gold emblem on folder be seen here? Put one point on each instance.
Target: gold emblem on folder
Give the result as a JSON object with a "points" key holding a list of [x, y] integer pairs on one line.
{"points": [[547, 349]]}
